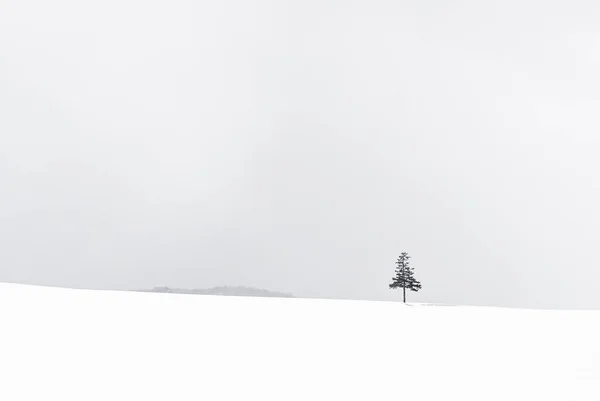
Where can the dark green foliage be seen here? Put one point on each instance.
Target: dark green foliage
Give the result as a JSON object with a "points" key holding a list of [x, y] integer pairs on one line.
{"points": [[405, 276]]}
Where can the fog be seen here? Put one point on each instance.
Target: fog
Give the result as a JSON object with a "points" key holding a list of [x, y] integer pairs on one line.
{"points": [[302, 146]]}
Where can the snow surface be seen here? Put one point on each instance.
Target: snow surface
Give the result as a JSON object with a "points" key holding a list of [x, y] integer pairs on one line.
{"points": [[59, 344]]}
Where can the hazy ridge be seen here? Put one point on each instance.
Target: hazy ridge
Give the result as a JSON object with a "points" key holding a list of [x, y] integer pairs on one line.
{"points": [[238, 291]]}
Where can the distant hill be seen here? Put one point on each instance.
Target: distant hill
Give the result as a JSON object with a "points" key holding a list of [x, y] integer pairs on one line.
{"points": [[226, 290]]}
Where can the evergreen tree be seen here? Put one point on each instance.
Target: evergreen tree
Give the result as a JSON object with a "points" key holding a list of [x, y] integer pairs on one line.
{"points": [[405, 276]]}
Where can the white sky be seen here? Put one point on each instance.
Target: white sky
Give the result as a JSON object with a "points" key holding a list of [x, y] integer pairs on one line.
{"points": [[301, 146]]}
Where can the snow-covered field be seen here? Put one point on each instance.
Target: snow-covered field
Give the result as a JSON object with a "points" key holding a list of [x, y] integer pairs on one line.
{"points": [[59, 344]]}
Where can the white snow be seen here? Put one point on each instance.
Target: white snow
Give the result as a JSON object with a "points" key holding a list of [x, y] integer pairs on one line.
{"points": [[59, 344]]}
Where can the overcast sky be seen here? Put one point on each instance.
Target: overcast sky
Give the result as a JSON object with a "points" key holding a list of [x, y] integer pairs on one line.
{"points": [[301, 146]]}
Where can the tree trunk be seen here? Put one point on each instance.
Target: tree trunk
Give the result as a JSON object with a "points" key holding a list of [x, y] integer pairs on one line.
{"points": [[404, 292]]}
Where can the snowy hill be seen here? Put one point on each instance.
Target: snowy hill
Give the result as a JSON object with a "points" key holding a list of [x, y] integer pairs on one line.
{"points": [[58, 344]]}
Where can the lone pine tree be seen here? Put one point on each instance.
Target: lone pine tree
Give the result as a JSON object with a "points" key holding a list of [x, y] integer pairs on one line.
{"points": [[405, 276]]}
